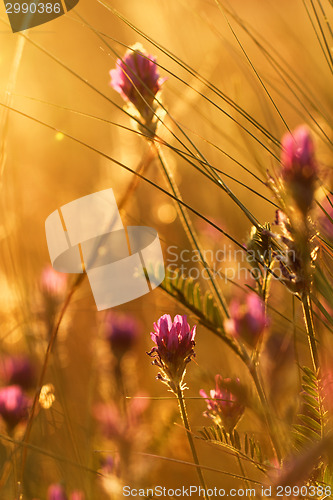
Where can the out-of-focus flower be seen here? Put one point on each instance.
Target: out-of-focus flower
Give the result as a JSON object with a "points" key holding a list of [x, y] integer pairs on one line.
{"points": [[110, 474], [121, 332], [14, 405], [56, 492], [299, 166], [113, 425], [325, 219], [53, 284], [248, 321], [223, 406], [17, 370], [110, 465], [174, 348], [77, 495], [137, 80]]}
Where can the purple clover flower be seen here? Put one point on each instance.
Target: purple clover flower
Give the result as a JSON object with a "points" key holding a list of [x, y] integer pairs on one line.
{"points": [[174, 348], [137, 80], [223, 406], [299, 166], [14, 405], [248, 321]]}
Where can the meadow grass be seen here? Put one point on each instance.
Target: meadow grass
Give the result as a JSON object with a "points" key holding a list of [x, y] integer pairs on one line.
{"points": [[245, 223]]}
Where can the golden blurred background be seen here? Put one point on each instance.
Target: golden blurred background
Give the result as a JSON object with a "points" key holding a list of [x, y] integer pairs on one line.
{"points": [[58, 137]]}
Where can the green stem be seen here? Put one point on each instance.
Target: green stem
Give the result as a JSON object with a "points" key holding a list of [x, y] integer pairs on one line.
{"points": [[182, 408], [307, 311]]}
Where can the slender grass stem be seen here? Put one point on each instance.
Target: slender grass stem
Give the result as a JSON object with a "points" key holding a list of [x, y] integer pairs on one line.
{"points": [[190, 231], [271, 426], [50, 346], [307, 311], [268, 416], [183, 412]]}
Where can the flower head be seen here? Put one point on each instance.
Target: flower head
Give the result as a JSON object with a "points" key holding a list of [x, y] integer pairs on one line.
{"points": [[174, 348], [121, 332], [14, 405], [17, 370], [248, 321], [223, 406], [137, 80], [299, 167]]}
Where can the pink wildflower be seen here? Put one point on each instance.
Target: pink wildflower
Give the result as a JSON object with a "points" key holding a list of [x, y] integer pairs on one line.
{"points": [[137, 80], [174, 348]]}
